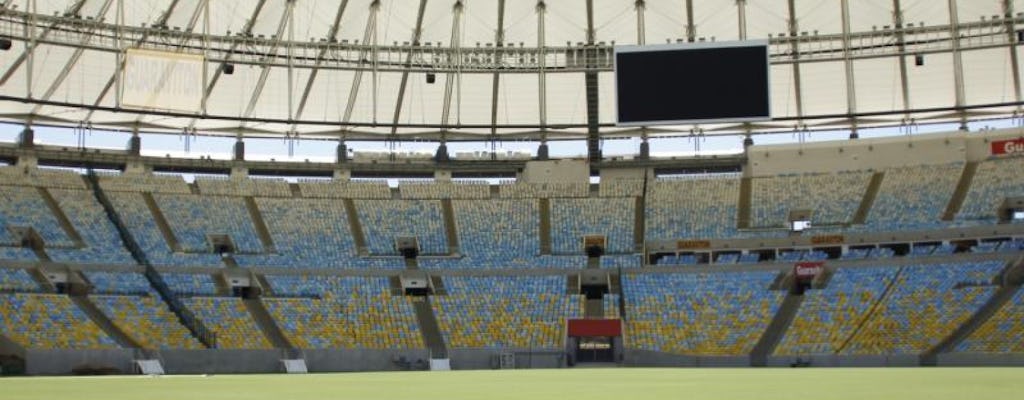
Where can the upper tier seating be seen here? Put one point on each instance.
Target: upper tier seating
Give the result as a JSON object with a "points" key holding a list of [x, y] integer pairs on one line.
{"points": [[701, 207], [147, 320], [99, 236], [191, 284], [17, 280], [572, 219], [42, 177], [140, 183], [118, 282], [828, 317], [383, 221], [832, 198], [925, 304], [1002, 333], [345, 190], [913, 197], [350, 312], [132, 209], [311, 233], [262, 187], [621, 188], [49, 321], [721, 313], [17, 254], [506, 312], [993, 181], [622, 261], [23, 206], [436, 190], [192, 218], [611, 306], [522, 190], [228, 318], [495, 234]]}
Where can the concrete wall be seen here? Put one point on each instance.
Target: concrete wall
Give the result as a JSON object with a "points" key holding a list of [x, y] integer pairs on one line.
{"points": [[352, 360], [62, 362], [876, 153], [488, 358], [847, 361], [646, 358], [978, 360], [561, 171]]}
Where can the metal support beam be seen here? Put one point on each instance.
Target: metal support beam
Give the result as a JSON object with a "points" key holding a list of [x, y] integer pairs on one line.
{"points": [[246, 31], [591, 82], [542, 80], [34, 41], [116, 76], [332, 36], [793, 32], [741, 14], [901, 43], [416, 33], [261, 82], [958, 63], [641, 31], [1011, 34], [72, 61], [369, 36], [450, 79], [851, 87], [691, 29], [499, 42]]}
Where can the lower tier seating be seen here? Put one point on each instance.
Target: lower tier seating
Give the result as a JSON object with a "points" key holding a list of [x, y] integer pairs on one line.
{"points": [[699, 313], [1002, 333], [359, 321], [147, 320], [49, 321], [230, 321]]}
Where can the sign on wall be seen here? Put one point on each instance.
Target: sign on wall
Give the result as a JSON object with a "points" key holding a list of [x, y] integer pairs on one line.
{"points": [[160, 80]]}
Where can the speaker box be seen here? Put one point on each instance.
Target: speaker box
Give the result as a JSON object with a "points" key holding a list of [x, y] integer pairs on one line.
{"points": [[228, 68], [5, 44]]}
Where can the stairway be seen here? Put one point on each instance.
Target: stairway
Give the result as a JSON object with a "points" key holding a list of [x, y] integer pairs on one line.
{"points": [[572, 284], [395, 284], [743, 208], [267, 324], [776, 330], [450, 229], [223, 288], [545, 226], [639, 225], [295, 189], [861, 215], [265, 289], [161, 223], [355, 227], [89, 308], [40, 278], [260, 225], [1002, 296], [963, 186], [438, 285], [205, 336], [62, 218], [411, 263], [593, 262], [429, 328], [594, 309]]}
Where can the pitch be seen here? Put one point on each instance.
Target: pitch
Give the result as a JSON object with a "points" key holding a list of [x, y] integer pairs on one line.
{"points": [[618, 384]]}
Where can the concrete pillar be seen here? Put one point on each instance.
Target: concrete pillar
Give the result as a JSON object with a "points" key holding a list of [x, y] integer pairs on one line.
{"points": [[134, 146], [645, 150], [542, 152], [342, 175], [239, 150], [27, 138], [442, 154], [442, 176], [342, 153]]}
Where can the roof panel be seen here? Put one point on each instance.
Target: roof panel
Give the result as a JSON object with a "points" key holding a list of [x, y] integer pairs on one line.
{"points": [[931, 85], [824, 88], [988, 77], [878, 85], [716, 19], [766, 18], [783, 91], [567, 98], [517, 99]]}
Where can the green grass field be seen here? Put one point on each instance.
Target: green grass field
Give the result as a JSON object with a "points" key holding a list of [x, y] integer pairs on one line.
{"points": [[619, 384]]}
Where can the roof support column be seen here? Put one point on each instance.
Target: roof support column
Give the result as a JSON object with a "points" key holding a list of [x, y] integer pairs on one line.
{"points": [[897, 19], [741, 14], [542, 94], [265, 69], [408, 63], [691, 29], [1012, 48], [369, 36], [958, 64], [794, 36], [450, 79], [499, 43], [246, 31], [332, 36], [851, 87], [73, 60], [590, 77]]}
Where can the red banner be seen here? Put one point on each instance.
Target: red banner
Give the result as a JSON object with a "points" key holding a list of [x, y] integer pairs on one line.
{"points": [[595, 327], [808, 270], [1013, 146]]}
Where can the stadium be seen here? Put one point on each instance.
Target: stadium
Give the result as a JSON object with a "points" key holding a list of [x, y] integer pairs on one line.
{"points": [[206, 190]]}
